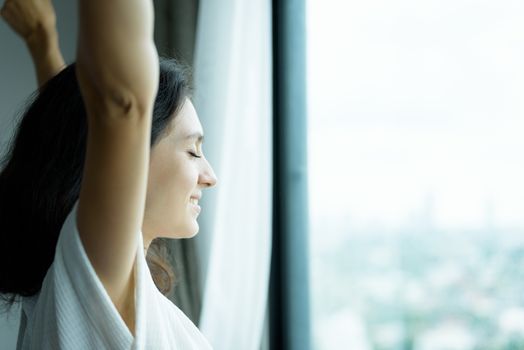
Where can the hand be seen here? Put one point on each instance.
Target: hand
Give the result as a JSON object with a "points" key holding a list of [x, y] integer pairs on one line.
{"points": [[29, 18], [35, 22]]}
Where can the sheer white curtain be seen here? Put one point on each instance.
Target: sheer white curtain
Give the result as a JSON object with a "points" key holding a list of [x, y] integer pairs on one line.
{"points": [[232, 72]]}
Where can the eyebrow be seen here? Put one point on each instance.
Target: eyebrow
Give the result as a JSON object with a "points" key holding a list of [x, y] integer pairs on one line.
{"points": [[195, 135]]}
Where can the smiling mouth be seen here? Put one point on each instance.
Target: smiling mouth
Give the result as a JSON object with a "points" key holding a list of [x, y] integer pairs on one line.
{"points": [[196, 207]]}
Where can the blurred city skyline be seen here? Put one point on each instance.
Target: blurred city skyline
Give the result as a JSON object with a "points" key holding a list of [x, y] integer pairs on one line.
{"points": [[416, 193]]}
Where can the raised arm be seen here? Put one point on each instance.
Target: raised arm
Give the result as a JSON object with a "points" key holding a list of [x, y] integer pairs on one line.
{"points": [[118, 71], [116, 53], [35, 22]]}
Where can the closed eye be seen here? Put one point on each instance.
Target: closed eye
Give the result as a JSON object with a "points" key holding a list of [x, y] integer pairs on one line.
{"points": [[194, 155]]}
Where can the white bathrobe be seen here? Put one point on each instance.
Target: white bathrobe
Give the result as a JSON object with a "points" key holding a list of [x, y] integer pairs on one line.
{"points": [[73, 310]]}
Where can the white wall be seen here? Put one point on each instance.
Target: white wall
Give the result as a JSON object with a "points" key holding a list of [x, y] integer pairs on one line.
{"points": [[17, 81]]}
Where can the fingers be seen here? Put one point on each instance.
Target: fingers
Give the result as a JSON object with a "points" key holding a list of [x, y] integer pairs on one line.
{"points": [[28, 16], [12, 15], [7, 11], [5, 7]]}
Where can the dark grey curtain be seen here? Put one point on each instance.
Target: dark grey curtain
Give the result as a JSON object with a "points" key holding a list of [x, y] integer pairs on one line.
{"points": [[175, 32], [187, 294], [175, 28]]}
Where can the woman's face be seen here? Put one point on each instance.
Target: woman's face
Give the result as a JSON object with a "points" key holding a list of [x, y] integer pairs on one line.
{"points": [[176, 178]]}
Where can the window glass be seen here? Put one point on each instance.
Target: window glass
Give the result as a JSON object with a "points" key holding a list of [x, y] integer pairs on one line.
{"points": [[416, 163]]}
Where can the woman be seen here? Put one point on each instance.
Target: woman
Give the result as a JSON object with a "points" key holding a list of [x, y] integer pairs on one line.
{"points": [[98, 169]]}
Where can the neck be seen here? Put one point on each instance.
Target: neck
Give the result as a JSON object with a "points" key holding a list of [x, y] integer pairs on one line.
{"points": [[147, 242]]}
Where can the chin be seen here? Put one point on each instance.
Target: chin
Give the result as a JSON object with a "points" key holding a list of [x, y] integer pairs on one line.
{"points": [[190, 232], [186, 236]]}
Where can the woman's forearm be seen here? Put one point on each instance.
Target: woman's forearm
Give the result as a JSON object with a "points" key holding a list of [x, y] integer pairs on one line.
{"points": [[35, 22], [45, 52]]}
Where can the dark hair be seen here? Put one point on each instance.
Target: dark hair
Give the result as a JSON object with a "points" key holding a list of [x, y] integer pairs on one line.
{"points": [[42, 173]]}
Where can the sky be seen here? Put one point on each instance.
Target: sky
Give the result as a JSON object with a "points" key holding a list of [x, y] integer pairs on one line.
{"points": [[416, 111]]}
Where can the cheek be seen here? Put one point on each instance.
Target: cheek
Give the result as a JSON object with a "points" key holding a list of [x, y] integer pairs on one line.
{"points": [[183, 179], [162, 179], [172, 180], [159, 177]]}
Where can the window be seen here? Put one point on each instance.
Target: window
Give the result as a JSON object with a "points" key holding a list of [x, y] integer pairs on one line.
{"points": [[416, 140]]}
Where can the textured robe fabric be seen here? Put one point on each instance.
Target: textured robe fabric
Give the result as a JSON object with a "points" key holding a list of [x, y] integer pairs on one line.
{"points": [[74, 311]]}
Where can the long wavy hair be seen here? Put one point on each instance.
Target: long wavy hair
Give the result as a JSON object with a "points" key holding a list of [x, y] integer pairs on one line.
{"points": [[41, 174]]}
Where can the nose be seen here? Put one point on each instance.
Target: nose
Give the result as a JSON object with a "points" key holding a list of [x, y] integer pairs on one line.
{"points": [[208, 177]]}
